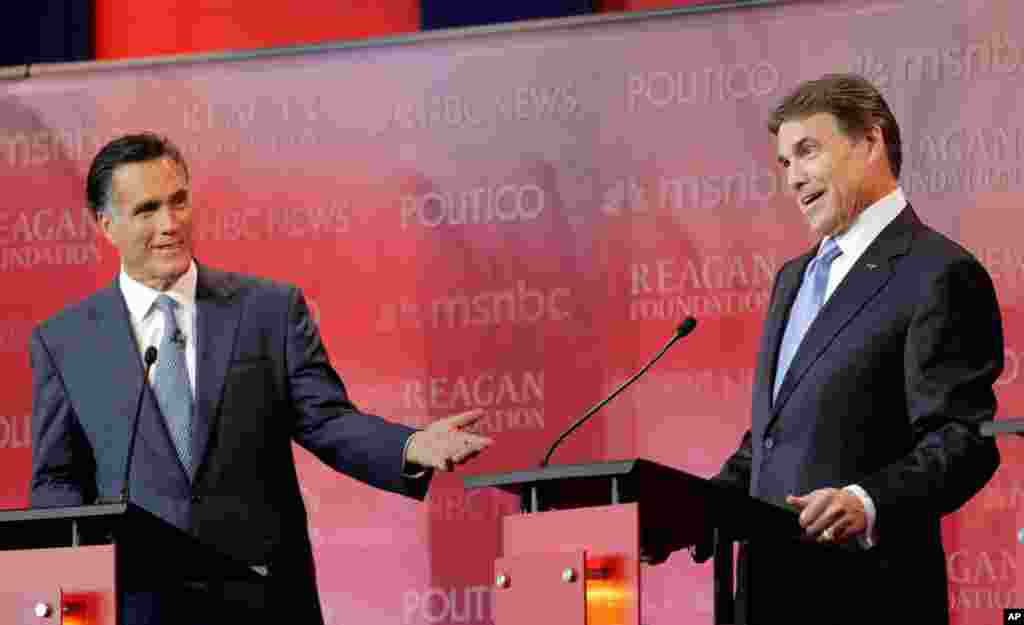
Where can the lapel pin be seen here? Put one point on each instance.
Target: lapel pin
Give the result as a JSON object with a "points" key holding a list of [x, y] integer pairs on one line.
{"points": [[871, 266]]}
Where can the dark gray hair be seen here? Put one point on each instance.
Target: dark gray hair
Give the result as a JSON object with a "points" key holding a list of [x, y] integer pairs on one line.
{"points": [[854, 101], [134, 148]]}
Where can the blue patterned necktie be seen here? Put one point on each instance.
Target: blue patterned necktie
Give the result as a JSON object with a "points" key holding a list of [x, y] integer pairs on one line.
{"points": [[170, 382], [805, 307]]}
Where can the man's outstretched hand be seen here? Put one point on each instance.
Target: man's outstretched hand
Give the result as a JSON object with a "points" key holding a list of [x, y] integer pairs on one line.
{"points": [[443, 444]]}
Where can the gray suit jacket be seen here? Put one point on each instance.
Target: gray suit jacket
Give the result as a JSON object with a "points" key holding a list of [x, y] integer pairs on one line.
{"points": [[263, 380]]}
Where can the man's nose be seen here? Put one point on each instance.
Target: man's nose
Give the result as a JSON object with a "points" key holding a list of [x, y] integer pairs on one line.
{"points": [[796, 177], [167, 220]]}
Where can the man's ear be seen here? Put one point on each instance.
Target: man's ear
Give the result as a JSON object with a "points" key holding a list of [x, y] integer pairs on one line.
{"points": [[105, 223], [875, 142]]}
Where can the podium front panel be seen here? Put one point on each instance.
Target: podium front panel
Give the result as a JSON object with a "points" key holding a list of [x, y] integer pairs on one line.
{"points": [[609, 536], [18, 608], [72, 584], [540, 588]]}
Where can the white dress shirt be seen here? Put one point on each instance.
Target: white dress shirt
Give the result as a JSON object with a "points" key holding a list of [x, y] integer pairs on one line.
{"points": [[862, 232], [148, 322], [854, 242]]}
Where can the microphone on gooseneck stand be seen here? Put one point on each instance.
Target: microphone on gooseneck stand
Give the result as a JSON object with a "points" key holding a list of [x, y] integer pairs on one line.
{"points": [[682, 330], [149, 359]]}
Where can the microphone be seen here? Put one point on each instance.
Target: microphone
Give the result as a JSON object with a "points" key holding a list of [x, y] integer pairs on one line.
{"points": [[178, 338], [682, 330], [149, 359]]}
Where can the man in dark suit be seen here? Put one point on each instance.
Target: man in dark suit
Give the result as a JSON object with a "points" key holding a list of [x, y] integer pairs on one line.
{"points": [[240, 373], [875, 370]]}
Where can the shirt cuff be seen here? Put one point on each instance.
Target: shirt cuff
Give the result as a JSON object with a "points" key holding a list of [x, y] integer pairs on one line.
{"points": [[407, 467], [868, 539]]}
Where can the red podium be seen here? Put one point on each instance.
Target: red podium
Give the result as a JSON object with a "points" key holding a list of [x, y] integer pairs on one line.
{"points": [[573, 557], [69, 566]]}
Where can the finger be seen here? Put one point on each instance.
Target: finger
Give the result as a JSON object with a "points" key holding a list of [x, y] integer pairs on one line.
{"points": [[799, 503], [829, 517], [819, 501], [463, 419], [841, 531], [462, 458], [479, 442]]}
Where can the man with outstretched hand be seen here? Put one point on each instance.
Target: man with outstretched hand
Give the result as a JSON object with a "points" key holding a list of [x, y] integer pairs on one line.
{"points": [[240, 373]]}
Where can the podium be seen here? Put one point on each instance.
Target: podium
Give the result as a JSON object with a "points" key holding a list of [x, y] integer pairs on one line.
{"points": [[995, 429], [72, 565], [573, 556]]}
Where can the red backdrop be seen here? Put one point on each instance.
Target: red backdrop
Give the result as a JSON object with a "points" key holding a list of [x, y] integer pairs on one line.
{"points": [[125, 28], [516, 221]]}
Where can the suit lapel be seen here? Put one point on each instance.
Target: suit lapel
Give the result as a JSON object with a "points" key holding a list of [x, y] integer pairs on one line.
{"points": [[119, 348], [865, 279], [217, 318], [121, 355]]}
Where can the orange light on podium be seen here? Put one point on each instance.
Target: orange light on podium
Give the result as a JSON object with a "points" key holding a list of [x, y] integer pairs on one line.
{"points": [[607, 593], [81, 608]]}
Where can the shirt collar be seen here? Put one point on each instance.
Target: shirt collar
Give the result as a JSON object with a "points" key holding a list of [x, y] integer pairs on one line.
{"points": [[140, 297], [869, 224]]}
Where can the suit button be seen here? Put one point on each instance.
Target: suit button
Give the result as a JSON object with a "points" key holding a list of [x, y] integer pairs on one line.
{"points": [[769, 442], [196, 498]]}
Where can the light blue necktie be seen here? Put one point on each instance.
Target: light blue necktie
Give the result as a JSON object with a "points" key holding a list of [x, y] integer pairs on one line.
{"points": [[805, 307], [170, 382]]}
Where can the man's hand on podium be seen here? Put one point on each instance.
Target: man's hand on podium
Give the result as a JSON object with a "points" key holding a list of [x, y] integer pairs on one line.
{"points": [[443, 444]]}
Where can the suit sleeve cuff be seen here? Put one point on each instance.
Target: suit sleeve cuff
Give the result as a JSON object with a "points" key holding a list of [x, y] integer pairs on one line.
{"points": [[410, 470], [868, 539]]}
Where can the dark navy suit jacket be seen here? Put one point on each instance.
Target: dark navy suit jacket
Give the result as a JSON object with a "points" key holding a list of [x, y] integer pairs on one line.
{"points": [[886, 391], [263, 380]]}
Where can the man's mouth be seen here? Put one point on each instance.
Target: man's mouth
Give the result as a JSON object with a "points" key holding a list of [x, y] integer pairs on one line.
{"points": [[810, 198]]}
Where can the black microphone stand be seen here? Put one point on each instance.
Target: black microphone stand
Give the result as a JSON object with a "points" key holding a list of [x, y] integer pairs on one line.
{"points": [[684, 328], [149, 359]]}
